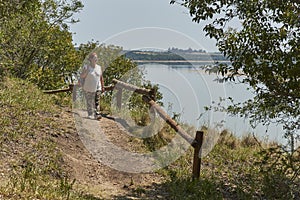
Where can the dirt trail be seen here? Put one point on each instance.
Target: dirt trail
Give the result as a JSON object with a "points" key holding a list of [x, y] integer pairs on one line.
{"points": [[91, 168]]}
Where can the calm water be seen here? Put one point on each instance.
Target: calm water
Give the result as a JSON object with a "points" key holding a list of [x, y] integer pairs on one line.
{"points": [[187, 91]]}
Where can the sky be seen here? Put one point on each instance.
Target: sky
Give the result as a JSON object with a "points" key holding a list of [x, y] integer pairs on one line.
{"points": [[139, 24]]}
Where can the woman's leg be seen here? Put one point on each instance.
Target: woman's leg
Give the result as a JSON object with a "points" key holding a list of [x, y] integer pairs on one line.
{"points": [[90, 103], [97, 102]]}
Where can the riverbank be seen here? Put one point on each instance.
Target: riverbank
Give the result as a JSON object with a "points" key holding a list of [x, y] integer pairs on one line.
{"points": [[43, 158], [190, 63], [175, 58]]}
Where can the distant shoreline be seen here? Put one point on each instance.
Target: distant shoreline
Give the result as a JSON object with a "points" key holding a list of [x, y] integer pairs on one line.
{"points": [[176, 58], [181, 62]]}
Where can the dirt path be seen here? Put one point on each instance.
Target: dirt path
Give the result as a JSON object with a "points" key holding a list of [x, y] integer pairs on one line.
{"points": [[91, 160]]}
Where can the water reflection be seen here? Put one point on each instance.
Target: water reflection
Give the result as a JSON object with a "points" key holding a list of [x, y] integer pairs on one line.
{"points": [[187, 90]]}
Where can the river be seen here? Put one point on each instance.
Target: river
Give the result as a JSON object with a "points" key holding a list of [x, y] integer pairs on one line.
{"points": [[187, 90]]}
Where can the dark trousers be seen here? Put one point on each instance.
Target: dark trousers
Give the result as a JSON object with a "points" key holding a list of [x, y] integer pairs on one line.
{"points": [[97, 101], [92, 102]]}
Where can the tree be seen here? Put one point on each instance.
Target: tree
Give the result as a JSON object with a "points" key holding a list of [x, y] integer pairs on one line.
{"points": [[35, 41], [264, 52]]}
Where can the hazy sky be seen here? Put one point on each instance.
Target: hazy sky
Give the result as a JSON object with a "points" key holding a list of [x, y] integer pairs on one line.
{"points": [[137, 24]]}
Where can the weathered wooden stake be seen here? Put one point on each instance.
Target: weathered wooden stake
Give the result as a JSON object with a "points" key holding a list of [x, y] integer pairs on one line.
{"points": [[127, 86], [152, 94], [119, 98], [197, 154]]}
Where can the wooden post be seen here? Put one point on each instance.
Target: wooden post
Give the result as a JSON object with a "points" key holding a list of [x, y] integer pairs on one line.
{"points": [[119, 98], [71, 87], [152, 94], [197, 154], [74, 92]]}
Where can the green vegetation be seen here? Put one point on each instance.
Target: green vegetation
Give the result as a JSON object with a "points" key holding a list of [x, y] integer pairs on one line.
{"points": [[263, 49], [235, 169], [36, 44]]}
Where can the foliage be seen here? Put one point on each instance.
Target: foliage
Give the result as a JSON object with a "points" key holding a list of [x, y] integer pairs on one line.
{"points": [[239, 171], [281, 170], [35, 42], [123, 69], [263, 49]]}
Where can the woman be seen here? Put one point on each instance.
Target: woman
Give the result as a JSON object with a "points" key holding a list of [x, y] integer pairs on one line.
{"points": [[93, 85]]}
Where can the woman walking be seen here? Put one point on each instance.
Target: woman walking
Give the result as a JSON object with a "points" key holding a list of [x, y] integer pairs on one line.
{"points": [[93, 85]]}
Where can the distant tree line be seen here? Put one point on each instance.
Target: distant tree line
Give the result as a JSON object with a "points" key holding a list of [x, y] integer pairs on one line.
{"points": [[189, 50], [170, 55]]}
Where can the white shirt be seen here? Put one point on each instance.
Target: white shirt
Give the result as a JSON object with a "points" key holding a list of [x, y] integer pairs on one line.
{"points": [[92, 80]]}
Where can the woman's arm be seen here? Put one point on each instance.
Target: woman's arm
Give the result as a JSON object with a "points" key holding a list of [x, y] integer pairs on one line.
{"points": [[84, 72], [102, 83]]}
